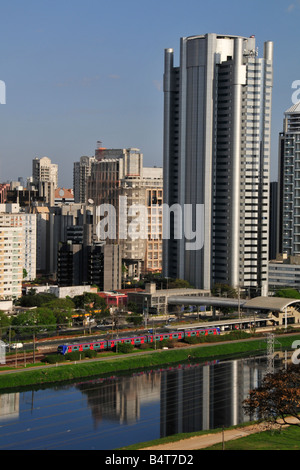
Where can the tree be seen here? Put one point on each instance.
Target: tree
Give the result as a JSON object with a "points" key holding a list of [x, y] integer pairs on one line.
{"points": [[34, 321], [278, 397], [24, 323], [62, 310], [35, 300], [44, 318], [89, 300], [135, 318], [4, 322], [225, 290], [288, 293]]}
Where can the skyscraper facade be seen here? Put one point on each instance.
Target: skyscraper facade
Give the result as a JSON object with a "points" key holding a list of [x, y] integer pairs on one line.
{"points": [[81, 172], [289, 184], [217, 124]]}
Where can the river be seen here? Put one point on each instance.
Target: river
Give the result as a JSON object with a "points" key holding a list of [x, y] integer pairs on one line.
{"points": [[112, 412]]}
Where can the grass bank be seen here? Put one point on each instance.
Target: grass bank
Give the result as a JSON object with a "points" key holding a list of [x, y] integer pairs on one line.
{"points": [[288, 438], [141, 360], [285, 439]]}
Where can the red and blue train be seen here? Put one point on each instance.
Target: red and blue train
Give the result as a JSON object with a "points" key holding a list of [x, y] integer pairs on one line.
{"points": [[104, 345]]}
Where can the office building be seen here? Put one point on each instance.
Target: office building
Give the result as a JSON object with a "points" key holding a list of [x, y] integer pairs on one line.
{"points": [[289, 184], [217, 123], [284, 272], [273, 220], [81, 172], [97, 264]]}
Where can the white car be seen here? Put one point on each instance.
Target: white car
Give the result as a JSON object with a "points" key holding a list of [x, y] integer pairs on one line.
{"points": [[16, 345]]}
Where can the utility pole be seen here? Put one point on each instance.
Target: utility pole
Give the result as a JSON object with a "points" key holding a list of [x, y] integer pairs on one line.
{"points": [[223, 439], [34, 348]]}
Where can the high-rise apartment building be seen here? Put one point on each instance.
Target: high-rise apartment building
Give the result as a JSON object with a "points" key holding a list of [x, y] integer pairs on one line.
{"points": [[45, 178], [11, 255], [289, 184], [19, 218], [96, 264], [119, 175], [217, 123], [81, 172]]}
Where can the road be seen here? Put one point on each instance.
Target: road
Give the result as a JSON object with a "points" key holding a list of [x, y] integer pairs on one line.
{"points": [[208, 440]]}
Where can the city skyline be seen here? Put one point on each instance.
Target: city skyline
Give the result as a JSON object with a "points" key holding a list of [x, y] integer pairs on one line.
{"points": [[76, 73]]}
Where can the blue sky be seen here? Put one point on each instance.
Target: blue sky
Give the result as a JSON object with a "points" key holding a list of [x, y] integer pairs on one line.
{"points": [[81, 71]]}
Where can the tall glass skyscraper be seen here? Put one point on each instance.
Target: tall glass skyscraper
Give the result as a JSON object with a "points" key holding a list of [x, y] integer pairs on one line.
{"points": [[289, 183], [217, 125]]}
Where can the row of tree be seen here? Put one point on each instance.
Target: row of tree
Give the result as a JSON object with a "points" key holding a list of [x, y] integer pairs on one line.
{"points": [[49, 312]]}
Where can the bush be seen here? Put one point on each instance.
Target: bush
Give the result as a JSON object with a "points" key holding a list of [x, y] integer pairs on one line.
{"points": [[170, 343], [54, 358], [74, 356], [90, 353], [147, 346], [124, 348], [238, 334], [194, 339]]}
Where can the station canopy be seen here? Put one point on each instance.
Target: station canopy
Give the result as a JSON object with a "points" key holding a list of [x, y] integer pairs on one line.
{"points": [[277, 304]]}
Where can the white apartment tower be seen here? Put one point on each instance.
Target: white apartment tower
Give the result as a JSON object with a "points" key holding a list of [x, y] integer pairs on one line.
{"points": [[45, 178], [11, 255], [217, 124], [12, 214]]}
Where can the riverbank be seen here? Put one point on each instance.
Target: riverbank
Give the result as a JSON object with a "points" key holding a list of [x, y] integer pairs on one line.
{"points": [[65, 372]]}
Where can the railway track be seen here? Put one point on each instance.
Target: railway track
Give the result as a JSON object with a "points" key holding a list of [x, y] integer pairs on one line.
{"points": [[22, 358]]}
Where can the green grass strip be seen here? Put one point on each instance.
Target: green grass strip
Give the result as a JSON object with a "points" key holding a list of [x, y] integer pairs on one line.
{"points": [[285, 439], [89, 368]]}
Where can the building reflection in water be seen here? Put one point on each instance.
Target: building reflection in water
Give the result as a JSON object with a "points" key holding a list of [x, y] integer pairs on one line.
{"points": [[120, 398], [207, 397], [192, 397]]}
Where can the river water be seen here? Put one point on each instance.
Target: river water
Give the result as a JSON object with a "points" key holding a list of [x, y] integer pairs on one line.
{"points": [[112, 412]]}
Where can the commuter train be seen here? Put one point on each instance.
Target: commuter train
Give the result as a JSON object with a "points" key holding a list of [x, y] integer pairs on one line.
{"points": [[103, 344]]}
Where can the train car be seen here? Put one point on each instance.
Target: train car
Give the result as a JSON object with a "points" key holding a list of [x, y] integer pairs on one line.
{"points": [[94, 346], [201, 332], [134, 340], [101, 345], [161, 336]]}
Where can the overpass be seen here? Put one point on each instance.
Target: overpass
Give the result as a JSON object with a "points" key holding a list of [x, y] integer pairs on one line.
{"points": [[275, 304]]}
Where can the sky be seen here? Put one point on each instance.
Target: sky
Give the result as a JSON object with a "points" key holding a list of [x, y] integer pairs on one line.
{"points": [[77, 72]]}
